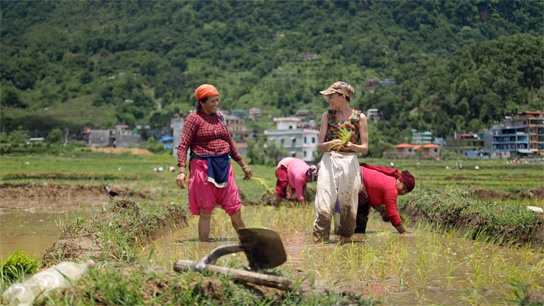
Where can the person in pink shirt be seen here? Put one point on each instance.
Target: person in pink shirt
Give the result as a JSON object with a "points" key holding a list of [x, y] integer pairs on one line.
{"points": [[381, 187], [211, 178], [292, 175]]}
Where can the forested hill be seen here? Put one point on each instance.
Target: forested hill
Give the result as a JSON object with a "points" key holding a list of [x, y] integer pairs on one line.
{"points": [[456, 65]]}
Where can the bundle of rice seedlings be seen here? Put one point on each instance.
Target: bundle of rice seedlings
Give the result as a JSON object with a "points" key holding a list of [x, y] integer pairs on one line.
{"points": [[345, 136], [263, 183]]}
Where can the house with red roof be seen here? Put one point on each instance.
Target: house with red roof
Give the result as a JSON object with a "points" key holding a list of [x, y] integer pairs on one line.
{"points": [[405, 150], [429, 150]]}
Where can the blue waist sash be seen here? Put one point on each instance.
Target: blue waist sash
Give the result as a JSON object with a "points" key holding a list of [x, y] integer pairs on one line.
{"points": [[218, 169]]}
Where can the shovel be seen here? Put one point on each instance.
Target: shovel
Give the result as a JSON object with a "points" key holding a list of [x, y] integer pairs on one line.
{"points": [[263, 248]]}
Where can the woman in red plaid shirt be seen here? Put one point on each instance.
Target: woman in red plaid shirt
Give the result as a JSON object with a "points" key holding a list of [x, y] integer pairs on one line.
{"points": [[211, 179]]}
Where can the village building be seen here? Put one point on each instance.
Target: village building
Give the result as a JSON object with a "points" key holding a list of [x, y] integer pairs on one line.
{"points": [[534, 120], [421, 138], [512, 141], [237, 128], [464, 142], [177, 128], [429, 150], [303, 114], [405, 150], [99, 138], [371, 84], [372, 115], [125, 138], [242, 114], [479, 154], [255, 113], [289, 134]]}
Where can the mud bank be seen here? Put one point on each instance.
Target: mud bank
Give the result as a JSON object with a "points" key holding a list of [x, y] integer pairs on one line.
{"points": [[464, 211], [87, 238], [38, 195]]}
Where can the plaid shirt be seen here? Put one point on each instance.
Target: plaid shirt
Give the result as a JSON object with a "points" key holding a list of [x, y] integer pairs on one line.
{"points": [[205, 135]]}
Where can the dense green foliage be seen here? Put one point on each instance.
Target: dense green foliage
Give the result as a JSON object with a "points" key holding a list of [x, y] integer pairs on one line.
{"points": [[18, 265], [457, 65]]}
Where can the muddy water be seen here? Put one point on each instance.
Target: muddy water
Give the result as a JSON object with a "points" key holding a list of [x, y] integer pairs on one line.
{"points": [[419, 269], [32, 225]]}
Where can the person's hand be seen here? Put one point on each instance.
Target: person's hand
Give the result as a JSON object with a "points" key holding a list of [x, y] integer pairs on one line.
{"points": [[180, 180], [347, 147], [335, 144], [408, 234], [247, 172]]}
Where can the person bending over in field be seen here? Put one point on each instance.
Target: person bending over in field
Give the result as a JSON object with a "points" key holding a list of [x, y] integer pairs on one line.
{"points": [[380, 189], [211, 179], [292, 175]]}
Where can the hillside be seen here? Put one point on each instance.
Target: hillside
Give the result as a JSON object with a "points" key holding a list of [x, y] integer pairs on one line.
{"points": [[456, 65]]}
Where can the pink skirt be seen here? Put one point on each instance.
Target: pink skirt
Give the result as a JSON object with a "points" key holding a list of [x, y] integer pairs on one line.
{"points": [[282, 182], [204, 195]]}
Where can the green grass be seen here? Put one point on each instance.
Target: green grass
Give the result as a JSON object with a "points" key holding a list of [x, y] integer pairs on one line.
{"points": [[17, 266]]}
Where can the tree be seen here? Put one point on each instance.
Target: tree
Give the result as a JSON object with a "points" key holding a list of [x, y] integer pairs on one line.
{"points": [[54, 137]]}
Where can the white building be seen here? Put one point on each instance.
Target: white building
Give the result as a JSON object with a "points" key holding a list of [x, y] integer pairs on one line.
{"points": [[421, 138], [373, 115], [299, 142], [177, 127]]}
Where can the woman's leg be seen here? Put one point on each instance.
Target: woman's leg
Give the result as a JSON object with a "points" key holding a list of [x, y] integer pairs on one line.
{"points": [[362, 217], [204, 226], [237, 221], [325, 199], [281, 185], [349, 184]]}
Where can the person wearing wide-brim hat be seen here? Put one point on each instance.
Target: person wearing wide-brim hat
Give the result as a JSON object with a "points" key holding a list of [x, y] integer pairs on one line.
{"points": [[380, 189], [339, 173], [211, 178]]}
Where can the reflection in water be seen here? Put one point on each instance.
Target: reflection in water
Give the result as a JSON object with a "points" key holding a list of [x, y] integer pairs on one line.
{"points": [[33, 225], [422, 269], [31, 232], [294, 244]]}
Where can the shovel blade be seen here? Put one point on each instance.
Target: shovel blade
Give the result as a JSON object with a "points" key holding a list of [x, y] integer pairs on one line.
{"points": [[263, 248]]}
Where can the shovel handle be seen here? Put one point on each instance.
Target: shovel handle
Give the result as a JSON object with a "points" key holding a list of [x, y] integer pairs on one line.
{"points": [[215, 254], [278, 282]]}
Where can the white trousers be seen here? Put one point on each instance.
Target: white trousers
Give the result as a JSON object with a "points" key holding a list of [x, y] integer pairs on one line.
{"points": [[339, 179]]}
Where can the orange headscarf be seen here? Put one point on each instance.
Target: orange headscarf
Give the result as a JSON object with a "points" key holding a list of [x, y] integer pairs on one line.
{"points": [[205, 90]]}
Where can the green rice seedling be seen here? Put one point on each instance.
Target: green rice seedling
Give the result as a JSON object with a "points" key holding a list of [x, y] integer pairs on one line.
{"points": [[520, 293], [344, 136], [262, 182], [17, 266]]}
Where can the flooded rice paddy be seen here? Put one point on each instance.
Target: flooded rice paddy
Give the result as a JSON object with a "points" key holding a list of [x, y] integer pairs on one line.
{"points": [[30, 217], [419, 269]]}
